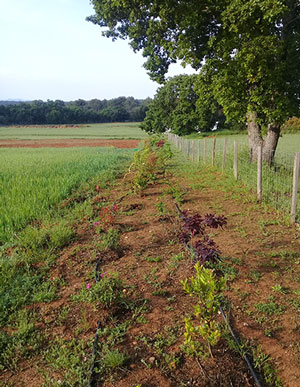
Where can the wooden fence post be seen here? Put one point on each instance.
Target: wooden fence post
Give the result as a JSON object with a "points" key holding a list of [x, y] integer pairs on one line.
{"points": [[193, 150], [198, 158], [259, 174], [205, 149], [224, 155], [295, 188], [235, 161], [213, 152]]}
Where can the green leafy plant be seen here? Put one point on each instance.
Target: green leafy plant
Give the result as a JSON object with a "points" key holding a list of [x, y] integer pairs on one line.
{"points": [[149, 163], [207, 288], [69, 358], [109, 290], [161, 208], [111, 239], [113, 358]]}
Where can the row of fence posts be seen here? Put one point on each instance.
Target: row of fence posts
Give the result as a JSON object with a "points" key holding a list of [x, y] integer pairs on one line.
{"points": [[188, 147]]}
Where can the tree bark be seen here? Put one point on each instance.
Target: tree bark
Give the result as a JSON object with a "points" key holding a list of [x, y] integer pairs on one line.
{"points": [[255, 139]]}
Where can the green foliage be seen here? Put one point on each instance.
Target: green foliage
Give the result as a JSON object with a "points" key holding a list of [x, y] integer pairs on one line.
{"points": [[59, 112], [207, 288], [149, 163], [22, 342], [176, 192], [183, 106], [35, 181], [263, 364], [113, 358], [173, 107], [247, 51], [109, 290], [111, 239], [292, 125], [51, 237], [69, 358]]}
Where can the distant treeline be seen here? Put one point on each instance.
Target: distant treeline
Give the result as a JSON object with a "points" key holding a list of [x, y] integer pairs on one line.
{"points": [[80, 111]]}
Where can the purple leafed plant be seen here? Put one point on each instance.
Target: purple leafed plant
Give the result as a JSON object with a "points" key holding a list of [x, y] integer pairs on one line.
{"points": [[204, 249]]}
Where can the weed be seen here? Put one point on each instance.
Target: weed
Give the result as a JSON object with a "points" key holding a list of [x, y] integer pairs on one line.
{"points": [[113, 359], [111, 239], [280, 289], [177, 193], [70, 359], [255, 276], [262, 362], [23, 342], [46, 292], [153, 259], [63, 315], [270, 308], [109, 290], [161, 208]]}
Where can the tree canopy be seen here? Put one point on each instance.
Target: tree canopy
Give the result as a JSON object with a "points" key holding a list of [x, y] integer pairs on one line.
{"points": [[178, 106], [80, 111], [248, 50]]}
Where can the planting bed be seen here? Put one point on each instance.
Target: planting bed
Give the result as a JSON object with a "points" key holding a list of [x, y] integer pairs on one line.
{"points": [[68, 143], [140, 336]]}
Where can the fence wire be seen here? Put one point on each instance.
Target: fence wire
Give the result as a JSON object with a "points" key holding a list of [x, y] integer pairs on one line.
{"points": [[277, 180]]}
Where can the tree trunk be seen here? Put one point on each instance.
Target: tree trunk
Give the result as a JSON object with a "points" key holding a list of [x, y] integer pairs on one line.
{"points": [[255, 139]]}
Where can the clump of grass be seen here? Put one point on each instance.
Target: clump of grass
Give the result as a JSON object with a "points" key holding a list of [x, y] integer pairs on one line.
{"points": [[113, 358], [109, 290], [70, 359], [111, 239]]}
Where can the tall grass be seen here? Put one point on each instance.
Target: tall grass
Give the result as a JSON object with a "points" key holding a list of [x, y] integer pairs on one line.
{"points": [[121, 130], [34, 181], [276, 180]]}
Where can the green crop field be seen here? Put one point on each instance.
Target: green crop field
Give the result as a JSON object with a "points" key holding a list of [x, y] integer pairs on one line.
{"points": [[34, 181], [122, 130]]}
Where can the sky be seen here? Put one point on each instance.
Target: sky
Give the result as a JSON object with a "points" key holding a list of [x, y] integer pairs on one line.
{"points": [[49, 51]]}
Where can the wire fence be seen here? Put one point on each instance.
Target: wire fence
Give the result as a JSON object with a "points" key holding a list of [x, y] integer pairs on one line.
{"points": [[277, 185]]}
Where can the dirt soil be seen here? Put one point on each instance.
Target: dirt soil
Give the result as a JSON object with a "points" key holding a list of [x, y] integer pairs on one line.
{"points": [[262, 249], [68, 143]]}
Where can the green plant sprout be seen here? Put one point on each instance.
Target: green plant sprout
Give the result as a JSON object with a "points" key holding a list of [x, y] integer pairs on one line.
{"points": [[208, 290]]}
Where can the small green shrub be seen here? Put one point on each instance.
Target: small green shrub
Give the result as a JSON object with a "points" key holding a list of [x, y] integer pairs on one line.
{"points": [[149, 163], [207, 288], [292, 125]]}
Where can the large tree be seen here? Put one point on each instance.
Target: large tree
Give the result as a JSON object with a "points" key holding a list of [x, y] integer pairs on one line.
{"points": [[248, 50], [174, 107], [178, 106]]}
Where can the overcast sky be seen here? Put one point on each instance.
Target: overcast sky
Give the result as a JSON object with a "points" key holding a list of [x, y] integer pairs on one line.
{"points": [[49, 51]]}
